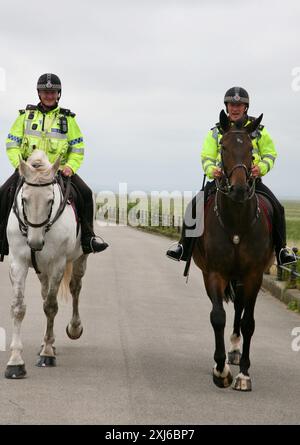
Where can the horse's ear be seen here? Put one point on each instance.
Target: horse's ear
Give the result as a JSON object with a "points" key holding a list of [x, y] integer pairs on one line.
{"points": [[224, 121], [24, 169], [56, 165], [253, 126]]}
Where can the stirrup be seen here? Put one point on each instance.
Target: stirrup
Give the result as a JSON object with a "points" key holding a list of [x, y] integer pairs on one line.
{"points": [[291, 252], [178, 245], [91, 242]]}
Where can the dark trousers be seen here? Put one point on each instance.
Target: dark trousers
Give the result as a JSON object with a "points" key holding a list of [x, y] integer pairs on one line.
{"points": [[279, 225], [84, 206], [7, 193]]}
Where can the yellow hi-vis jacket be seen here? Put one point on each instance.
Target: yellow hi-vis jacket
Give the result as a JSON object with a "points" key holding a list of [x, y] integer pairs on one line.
{"points": [[264, 152], [55, 132]]}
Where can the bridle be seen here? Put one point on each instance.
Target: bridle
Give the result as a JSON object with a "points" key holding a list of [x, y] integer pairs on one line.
{"points": [[225, 189], [48, 222]]}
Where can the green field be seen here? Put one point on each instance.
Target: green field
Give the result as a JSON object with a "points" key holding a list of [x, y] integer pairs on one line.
{"points": [[292, 215]]}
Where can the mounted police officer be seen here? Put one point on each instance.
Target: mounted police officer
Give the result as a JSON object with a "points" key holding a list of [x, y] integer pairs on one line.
{"points": [[236, 101], [53, 129]]}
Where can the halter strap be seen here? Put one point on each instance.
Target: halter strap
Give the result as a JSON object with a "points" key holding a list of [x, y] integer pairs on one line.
{"points": [[40, 185]]}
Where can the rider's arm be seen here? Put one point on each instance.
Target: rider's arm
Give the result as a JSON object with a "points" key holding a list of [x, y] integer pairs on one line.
{"points": [[14, 141], [267, 153], [209, 153], [76, 145]]}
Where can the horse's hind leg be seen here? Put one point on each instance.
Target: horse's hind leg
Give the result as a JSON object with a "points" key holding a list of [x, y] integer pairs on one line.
{"points": [[16, 367], [215, 286], [74, 328], [234, 354], [47, 354]]}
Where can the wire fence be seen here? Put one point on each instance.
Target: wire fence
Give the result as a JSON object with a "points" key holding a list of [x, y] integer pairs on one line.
{"points": [[144, 218], [290, 273]]}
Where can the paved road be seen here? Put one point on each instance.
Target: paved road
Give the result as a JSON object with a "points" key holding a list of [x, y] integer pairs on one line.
{"points": [[146, 353]]}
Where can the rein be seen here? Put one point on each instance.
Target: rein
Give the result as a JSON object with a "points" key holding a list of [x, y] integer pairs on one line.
{"points": [[235, 238]]}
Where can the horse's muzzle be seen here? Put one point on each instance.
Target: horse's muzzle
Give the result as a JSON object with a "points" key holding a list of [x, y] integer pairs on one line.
{"points": [[239, 193], [36, 246]]}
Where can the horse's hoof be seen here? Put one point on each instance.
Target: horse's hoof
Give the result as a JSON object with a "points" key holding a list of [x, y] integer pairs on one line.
{"points": [[234, 357], [42, 347], [74, 336], [46, 361], [15, 371], [224, 379], [242, 383]]}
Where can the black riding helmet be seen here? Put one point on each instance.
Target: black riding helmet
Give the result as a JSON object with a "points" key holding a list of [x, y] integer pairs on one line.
{"points": [[236, 95], [49, 81]]}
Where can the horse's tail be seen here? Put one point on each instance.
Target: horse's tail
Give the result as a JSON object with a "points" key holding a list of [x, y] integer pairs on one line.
{"points": [[64, 288]]}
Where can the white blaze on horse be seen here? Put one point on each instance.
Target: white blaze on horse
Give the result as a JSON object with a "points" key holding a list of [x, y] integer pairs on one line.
{"points": [[42, 233]]}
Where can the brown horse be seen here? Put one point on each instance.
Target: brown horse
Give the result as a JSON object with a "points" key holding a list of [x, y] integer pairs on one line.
{"points": [[235, 249]]}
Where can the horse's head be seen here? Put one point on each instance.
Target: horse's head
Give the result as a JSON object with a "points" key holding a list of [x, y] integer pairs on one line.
{"points": [[37, 196], [236, 156]]}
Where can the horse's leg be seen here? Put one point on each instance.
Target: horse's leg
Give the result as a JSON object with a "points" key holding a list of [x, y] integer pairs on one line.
{"points": [[215, 287], [252, 285], [234, 354], [16, 367], [74, 328], [44, 292], [47, 354]]}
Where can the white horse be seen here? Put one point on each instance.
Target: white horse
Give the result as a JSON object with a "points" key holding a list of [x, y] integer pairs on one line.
{"points": [[56, 254]]}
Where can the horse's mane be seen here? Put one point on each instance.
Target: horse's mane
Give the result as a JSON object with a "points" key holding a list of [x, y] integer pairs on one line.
{"points": [[40, 167]]}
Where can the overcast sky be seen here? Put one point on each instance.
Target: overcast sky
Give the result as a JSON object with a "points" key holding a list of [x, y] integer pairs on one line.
{"points": [[146, 80]]}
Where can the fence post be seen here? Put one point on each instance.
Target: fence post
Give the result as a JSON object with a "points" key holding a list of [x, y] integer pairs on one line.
{"points": [[279, 273], [293, 277]]}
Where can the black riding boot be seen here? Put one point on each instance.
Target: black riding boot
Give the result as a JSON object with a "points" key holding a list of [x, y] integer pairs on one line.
{"points": [[89, 241], [182, 251], [283, 255]]}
